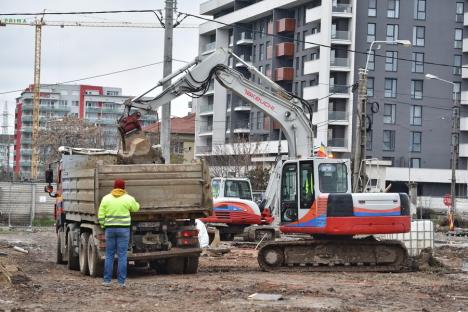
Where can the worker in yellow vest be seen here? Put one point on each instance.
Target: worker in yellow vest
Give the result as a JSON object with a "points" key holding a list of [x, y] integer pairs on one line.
{"points": [[114, 217]]}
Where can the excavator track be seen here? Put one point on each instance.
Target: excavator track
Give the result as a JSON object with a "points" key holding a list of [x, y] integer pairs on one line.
{"points": [[334, 255]]}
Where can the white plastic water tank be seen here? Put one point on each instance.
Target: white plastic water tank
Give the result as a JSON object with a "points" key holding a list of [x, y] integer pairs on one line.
{"points": [[420, 237]]}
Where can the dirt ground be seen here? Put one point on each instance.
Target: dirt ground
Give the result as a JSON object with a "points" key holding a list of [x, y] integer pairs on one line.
{"points": [[224, 283]]}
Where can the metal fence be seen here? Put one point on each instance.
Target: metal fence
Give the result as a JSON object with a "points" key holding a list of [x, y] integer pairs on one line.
{"points": [[23, 203]]}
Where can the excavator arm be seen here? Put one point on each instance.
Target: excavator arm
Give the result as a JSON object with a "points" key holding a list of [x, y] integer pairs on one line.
{"points": [[281, 106]]}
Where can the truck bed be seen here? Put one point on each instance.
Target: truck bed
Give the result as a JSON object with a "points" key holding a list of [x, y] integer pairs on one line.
{"points": [[180, 191]]}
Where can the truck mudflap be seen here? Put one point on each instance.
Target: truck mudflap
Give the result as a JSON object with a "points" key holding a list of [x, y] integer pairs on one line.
{"points": [[174, 252]]}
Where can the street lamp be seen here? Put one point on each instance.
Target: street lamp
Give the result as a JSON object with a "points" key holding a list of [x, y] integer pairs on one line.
{"points": [[359, 174], [455, 149]]}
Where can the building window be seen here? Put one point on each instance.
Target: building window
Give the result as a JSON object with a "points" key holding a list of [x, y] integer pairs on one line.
{"points": [[415, 162], [392, 32], [254, 53], [420, 9], [261, 29], [389, 113], [370, 86], [390, 87], [458, 38], [268, 46], [390, 159], [391, 61], [457, 63], [418, 36], [389, 140], [416, 142], [369, 140], [370, 32], [261, 52], [417, 66], [297, 67], [456, 90], [303, 60], [259, 120], [460, 12], [416, 115], [416, 89], [178, 148], [393, 8], [372, 8], [371, 64]]}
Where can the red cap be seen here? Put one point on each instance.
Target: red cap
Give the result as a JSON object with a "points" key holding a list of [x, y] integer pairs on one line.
{"points": [[119, 183]]}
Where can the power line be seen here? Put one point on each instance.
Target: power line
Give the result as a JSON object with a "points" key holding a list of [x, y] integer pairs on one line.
{"points": [[314, 43], [97, 76]]}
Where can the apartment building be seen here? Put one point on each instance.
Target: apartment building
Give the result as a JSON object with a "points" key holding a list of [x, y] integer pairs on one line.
{"points": [[315, 49], [99, 105], [288, 41]]}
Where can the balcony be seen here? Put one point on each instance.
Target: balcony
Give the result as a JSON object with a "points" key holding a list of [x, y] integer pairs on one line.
{"points": [[209, 48], [285, 49], [337, 115], [337, 142], [311, 67], [212, 7], [206, 110], [26, 128], [245, 38], [340, 64], [339, 89], [310, 93], [241, 127], [203, 149], [206, 130], [26, 151], [242, 107], [313, 14], [247, 58], [342, 9], [286, 25], [284, 74], [341, 36], [313, 40], [464, 123], [463, 150]]}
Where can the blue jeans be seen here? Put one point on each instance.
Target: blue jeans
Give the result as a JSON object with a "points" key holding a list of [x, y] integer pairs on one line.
{"points": [[116, 241]]}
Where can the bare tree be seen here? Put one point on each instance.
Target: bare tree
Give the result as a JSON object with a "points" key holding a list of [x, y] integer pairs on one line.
{"points": [[66, 131], [235, 159]]}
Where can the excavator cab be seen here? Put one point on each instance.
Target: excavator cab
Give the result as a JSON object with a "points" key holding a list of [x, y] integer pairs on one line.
{"points": [[303, 180]]}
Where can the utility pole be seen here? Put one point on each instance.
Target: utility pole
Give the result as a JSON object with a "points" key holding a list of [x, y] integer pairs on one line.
{"points": [[36, 100], [455, 155], [359, 167], [455, 149], [165, 137]]}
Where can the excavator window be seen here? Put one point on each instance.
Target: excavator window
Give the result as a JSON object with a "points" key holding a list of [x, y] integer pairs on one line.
{"points": [[333, 178], [289, 193], [307, 185]]}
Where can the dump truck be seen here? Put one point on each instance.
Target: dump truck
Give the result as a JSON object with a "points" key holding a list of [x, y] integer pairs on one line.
{"points": [[163, 231]]}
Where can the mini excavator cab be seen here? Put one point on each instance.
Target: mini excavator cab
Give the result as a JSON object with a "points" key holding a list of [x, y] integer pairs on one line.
{"points": [[304, 179]]}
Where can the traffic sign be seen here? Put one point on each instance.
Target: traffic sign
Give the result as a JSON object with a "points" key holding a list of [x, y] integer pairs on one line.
{"points": [[447, 200]]}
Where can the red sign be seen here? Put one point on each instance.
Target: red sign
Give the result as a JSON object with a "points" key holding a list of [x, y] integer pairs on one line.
{"points": [[447, 200]]}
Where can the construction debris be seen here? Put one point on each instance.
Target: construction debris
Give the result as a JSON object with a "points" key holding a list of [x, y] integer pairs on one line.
{"points": [[20, 249], [13, 274], [265, 297]]}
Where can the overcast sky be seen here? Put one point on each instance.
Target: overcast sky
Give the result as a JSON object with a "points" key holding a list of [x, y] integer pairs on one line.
{"points": [[77, 52]]}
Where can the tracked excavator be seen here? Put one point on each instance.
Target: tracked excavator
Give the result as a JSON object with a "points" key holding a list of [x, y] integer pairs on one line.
{"points": [[310, 197]]}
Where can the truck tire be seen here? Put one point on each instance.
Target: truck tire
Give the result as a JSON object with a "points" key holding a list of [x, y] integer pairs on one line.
{"points": [[73, 260], [191, 265], [175, 265], [58, 254], [95, 266], [83, 253]]}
